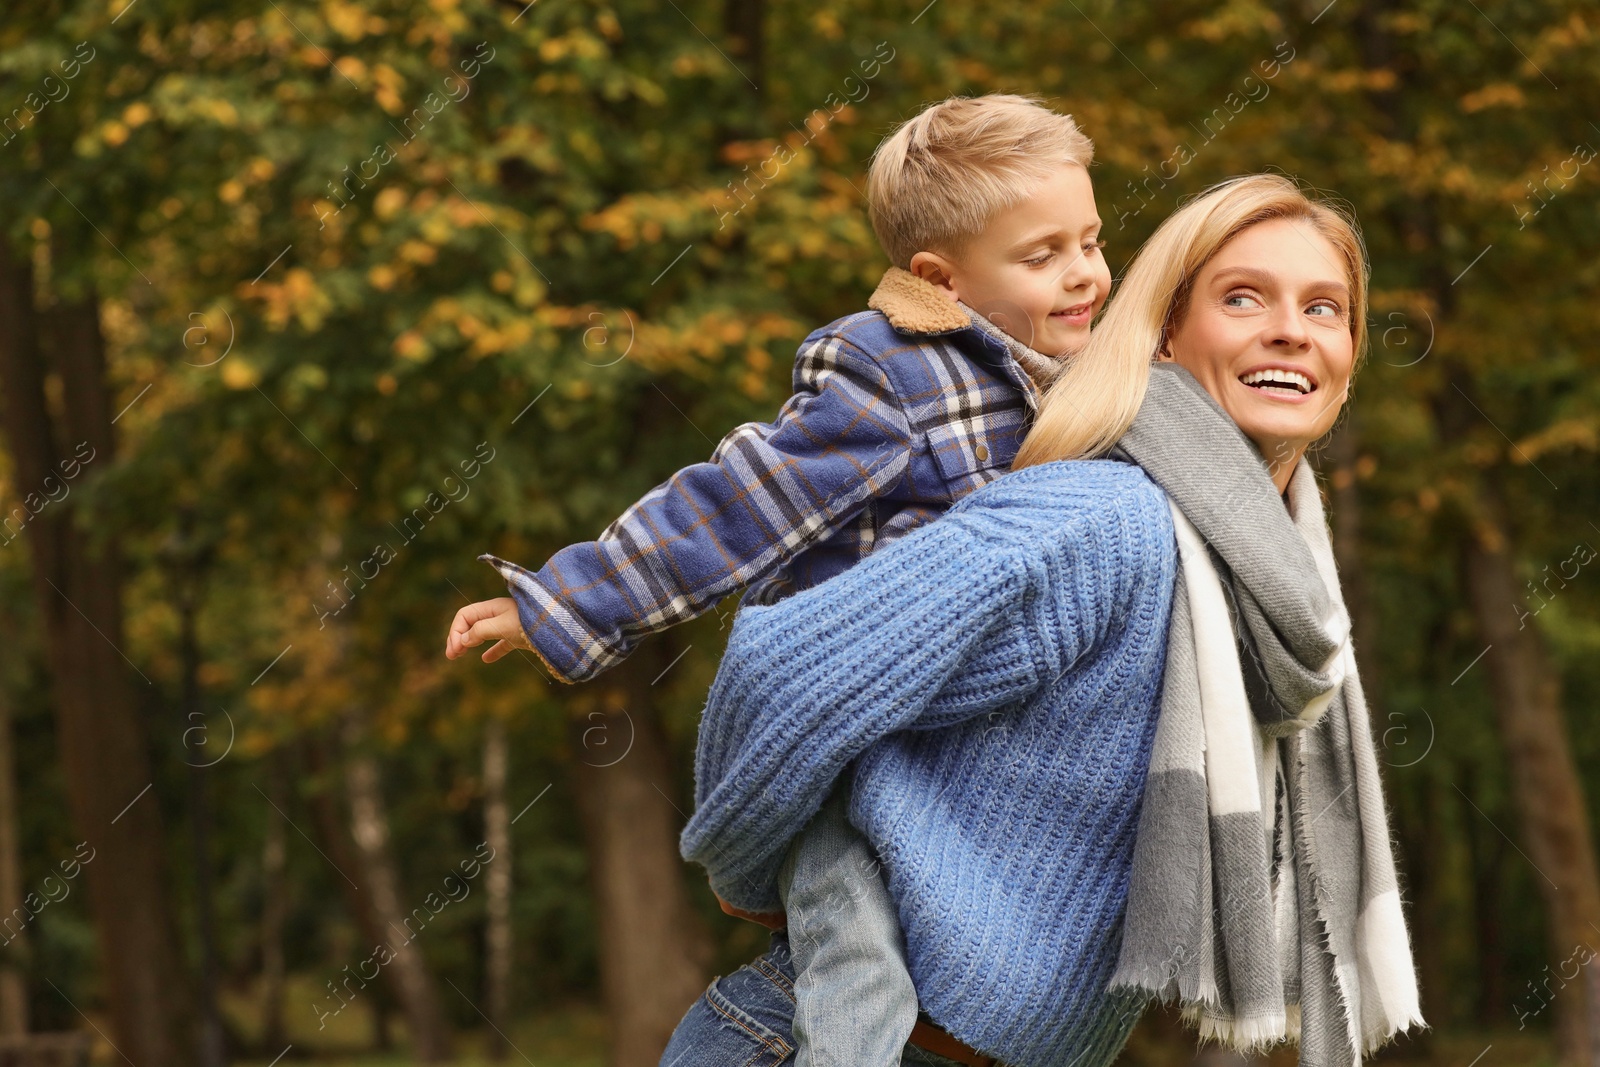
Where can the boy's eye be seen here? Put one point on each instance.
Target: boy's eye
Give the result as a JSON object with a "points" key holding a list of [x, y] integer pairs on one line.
{"points": [[1040, 260], [1093, 246]]}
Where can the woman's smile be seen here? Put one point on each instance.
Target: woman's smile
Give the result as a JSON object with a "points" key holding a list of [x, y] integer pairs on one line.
{"points": [[1280, 382]]}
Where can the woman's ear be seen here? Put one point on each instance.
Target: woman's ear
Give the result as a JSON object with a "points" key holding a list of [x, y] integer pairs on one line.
{"points": [[934, 268], [1164, 351]]}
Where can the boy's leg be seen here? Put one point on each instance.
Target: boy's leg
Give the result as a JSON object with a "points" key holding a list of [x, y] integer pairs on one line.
{"points": [[854, 1001]]}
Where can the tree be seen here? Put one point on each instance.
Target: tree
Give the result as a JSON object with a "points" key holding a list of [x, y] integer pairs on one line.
{"points": [[77, 590]]}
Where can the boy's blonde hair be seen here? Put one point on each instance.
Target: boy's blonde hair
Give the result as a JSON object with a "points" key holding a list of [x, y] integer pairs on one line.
{"points": [[1093, 401], [938, 179]]}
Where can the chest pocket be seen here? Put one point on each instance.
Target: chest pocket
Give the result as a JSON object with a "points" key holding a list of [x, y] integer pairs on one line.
{"points": [[969, 413], [972, 452]]}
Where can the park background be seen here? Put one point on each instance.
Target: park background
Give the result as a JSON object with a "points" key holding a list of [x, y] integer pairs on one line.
{"points": [[306, 303]]}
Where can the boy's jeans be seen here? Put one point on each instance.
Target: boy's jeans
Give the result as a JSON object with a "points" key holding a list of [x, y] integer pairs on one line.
{"points": [[854, 1001], [747, 1020]]}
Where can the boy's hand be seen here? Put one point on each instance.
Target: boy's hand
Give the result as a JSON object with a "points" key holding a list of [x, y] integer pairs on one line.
{"points": [[487, 620]]}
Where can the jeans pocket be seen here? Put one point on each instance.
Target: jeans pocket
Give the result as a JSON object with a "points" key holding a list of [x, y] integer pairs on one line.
{"points": [[743, 1020], [768, 1047]]}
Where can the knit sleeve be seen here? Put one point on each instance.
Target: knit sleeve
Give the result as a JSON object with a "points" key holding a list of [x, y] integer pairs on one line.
{"points": [[944, 625]]}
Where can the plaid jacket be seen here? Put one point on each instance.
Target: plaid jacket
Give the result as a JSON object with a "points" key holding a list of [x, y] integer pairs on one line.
{"points": [[897, 413]]}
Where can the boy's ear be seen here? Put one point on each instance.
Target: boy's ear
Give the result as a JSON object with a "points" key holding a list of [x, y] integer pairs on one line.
{"points": [[934, 268]]}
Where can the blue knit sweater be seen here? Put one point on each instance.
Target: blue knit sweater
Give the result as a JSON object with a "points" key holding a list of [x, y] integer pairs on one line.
{"points": [[996, 676]]}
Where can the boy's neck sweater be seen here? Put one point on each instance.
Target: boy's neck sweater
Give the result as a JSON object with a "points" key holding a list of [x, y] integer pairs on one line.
{"points": [[996, 677], [1040, 368]]}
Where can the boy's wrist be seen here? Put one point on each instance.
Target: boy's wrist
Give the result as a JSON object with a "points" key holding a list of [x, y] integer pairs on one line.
{"points": [[772, 920]]}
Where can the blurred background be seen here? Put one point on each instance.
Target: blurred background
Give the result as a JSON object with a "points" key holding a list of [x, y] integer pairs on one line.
{"points": [[306, 303]]}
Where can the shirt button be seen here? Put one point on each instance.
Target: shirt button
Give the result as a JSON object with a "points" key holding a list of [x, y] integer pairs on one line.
{"points": [[982, 452]]}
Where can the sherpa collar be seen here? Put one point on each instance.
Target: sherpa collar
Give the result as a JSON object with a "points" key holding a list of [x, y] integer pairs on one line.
{"points": [[915, 306]]}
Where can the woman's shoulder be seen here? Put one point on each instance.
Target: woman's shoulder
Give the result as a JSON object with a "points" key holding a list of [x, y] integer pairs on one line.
{"points": [[1067, 487], [1071, 504]]}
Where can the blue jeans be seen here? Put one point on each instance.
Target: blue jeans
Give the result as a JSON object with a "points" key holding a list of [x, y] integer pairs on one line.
{"points": [[855, 1004], [747, 1020]]}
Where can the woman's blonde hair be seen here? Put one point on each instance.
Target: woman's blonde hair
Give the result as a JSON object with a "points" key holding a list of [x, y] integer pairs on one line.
{"points": [[937, 180], [1093, 401]]}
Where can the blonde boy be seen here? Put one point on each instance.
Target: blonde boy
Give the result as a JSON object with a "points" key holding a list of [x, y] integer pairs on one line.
{"points": [[985, 208]]}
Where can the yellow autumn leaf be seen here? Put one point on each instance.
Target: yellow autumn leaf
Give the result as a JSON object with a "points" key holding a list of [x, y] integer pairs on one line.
{"points": [[1580, 434], [389, 202], [437, 229], [351, 68], [1496, 94], [347, 20], [238, 373], [418, 252], [413, 346]]}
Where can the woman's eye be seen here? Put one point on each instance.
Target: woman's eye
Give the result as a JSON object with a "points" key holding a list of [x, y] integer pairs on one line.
{"points": [[1324, 310], [1239, 300]]}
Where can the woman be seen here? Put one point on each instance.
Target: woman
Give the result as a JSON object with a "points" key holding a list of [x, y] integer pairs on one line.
{"points": [[1084, 796]]}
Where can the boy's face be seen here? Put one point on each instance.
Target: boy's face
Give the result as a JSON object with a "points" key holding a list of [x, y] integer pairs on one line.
{"points": [[1036, 271]]}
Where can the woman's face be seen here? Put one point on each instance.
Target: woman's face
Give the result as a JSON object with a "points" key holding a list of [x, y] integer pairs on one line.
{"points": [[1267, 333]]}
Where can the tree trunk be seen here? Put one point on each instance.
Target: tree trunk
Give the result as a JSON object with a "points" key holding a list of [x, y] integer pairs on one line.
{"points": [[274, 907], [1428, 885], [497, 888], [333, 837], [1544, 780], [742, 21], [1342, 460], [15, 967], [369, 825], [187, 559], [78, 589], [1488, 853], [652, 951]]}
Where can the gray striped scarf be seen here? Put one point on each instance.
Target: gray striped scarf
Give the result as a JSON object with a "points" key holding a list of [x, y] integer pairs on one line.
{"points": [[1263, 894]]}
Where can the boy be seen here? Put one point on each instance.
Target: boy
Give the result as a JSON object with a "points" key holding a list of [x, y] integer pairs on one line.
{"points": [[986, 210]]}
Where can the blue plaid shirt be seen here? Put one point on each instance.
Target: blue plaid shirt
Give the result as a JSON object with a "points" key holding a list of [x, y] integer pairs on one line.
{"points": [[896, 414]]}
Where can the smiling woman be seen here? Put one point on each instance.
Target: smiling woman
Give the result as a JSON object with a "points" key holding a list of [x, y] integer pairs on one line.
{"points": [[1273, 346]]}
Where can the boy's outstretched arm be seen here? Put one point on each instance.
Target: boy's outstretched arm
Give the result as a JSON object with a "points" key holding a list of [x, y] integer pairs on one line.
{"points": [[769, 491]]}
